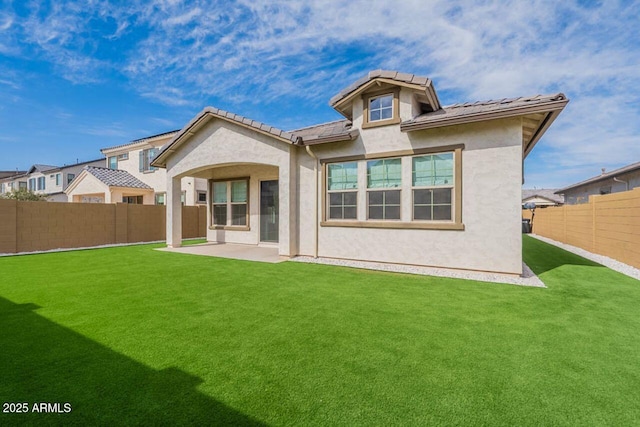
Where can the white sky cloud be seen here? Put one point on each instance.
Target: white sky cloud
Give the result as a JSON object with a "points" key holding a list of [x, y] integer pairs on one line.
{"points": [[187, 51]]}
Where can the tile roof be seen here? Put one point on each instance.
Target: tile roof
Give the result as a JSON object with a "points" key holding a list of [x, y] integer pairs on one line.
{"points": [[156, 136], [138, 141], [42, 168], [614, 173], [325, 132], [385, 74], [482, 108], [547, 193], [116, 177], [9, 174]]}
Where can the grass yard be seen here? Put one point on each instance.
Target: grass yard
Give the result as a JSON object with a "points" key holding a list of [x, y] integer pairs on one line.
{"points": [[130, 336]]}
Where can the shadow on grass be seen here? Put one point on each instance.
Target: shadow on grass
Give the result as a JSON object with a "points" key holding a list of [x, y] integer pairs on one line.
{"points": [[542, 257], [41, 361]]}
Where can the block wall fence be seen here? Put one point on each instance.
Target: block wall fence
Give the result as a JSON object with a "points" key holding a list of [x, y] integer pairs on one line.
{"points": [[607, 225], [40, 226]]}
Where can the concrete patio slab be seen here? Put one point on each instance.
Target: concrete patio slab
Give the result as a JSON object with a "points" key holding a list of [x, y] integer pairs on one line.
{"points": [[232, 251]]}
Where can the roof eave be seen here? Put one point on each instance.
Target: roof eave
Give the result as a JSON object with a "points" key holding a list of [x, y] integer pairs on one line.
{"points": [[349, 136], [72, 186], [410, 126], [204, 117], [427, 88]]}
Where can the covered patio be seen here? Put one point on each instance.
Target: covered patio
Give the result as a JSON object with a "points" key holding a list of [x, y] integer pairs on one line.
{"points": [[231, 251]]}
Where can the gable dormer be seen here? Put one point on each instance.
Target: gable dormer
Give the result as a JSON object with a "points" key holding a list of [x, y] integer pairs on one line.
{"points": [[386, 98]]}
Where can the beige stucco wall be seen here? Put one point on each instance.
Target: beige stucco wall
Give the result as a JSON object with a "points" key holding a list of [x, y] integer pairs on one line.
{"points": [[491, 195], [491, 191], [581, 194], [89, 186], [156, 179], [220, 143], [256, 173]]}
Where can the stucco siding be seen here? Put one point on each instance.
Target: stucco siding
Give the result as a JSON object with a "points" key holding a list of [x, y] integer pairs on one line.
{"points": [[223, 144], [256, 173], [491, 197], [581, 194]]}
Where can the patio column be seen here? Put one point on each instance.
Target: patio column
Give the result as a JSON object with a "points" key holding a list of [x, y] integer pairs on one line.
{"points": [[174, 212], [288, 221]]}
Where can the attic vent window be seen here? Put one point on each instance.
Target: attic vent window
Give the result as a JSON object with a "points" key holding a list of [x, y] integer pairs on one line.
{"points": [[381, 108]]}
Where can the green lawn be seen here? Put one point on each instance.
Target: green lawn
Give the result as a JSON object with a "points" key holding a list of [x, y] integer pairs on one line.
{"points": [[135, 336]]}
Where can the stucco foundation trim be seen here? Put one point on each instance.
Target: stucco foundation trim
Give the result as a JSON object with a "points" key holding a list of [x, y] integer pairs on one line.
{"points": [[229, 228], [528, 277], [394, 225]]}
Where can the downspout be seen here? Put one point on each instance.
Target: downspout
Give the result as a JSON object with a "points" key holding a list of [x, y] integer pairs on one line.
{"points": [[622, 182], [316, 223]]}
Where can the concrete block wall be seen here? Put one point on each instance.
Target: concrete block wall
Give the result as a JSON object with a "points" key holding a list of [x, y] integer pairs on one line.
{"points": [[40, 226]]}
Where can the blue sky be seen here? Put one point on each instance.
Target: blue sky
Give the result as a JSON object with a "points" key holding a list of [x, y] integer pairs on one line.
{"points": [[77, 76]]}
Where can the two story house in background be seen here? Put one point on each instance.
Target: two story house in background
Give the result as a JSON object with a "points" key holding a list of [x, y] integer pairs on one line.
{"points": [[47, 180], [7, 181], [127, 176]]}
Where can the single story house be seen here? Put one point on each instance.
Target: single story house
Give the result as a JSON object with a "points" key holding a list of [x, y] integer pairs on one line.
{"points": [[48, 180], [401, 179], [135, 181], [622, 179], [542, 197]]}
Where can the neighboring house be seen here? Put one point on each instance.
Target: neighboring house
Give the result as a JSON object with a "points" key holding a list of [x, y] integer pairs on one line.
{"points": [[401, 179], [623, 179], [8, 182], [132, 161], [49, 180], [542, 197], [104, 185]]}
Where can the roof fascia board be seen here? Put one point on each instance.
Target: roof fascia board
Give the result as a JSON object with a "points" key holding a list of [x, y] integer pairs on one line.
{"points": [[125, 148], [117, 187], [482, 116], [334, 138], [542, 128], [81, 176], [205, 117], [596, 179], [350, 97]]}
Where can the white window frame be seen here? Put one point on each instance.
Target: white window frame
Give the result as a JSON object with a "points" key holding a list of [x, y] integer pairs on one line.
{"points": [[198, 194], [115, 160], [370, 110]]}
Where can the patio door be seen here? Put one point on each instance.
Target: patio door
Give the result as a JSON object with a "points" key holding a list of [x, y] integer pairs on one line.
{"points": [[269, 211]]}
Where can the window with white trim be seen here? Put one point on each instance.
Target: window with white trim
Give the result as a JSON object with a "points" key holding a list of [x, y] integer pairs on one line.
{"points": [[32, 184], [113, 162], [433, 186], [230, 203], [384, 183], [70, 177], [202, 197], [41, 183], [342, 187], [145, 159]]}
